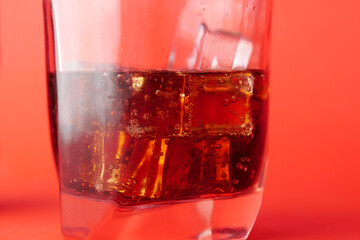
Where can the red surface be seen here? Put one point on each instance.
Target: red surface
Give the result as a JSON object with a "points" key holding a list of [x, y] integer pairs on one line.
{"points": [[312, 188]]}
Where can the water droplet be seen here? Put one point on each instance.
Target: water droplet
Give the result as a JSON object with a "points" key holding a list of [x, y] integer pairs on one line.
{"points": [[111, 166], [242, 159], [223, 175], [146, 97], [105, 74], [247, 159], [240, 82], [244, 168], [221, 81], [248, 89], [254, 8], [167, 142], [235, 181], [182, 95], [226, 102]]}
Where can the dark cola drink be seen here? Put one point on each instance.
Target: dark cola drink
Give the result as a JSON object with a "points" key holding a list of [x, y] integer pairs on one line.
{"points": [[149, 137]]}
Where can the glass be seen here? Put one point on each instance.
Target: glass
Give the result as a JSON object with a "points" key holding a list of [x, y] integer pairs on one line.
{"points": [[159, 116]]}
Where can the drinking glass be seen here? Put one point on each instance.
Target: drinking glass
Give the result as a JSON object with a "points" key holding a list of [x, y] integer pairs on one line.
{"points": [[159, 115]]}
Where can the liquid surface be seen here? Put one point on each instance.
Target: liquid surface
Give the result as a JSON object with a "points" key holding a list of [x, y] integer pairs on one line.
{"points": [[142, 137]]}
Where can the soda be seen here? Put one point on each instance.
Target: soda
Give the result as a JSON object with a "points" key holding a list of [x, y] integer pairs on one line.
{"points": [[142, 138]]}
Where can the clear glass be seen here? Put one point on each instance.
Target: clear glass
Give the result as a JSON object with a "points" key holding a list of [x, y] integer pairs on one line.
{"points": [[159, 116]]}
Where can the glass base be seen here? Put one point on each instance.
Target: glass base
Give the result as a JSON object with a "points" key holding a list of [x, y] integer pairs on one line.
{"points": [[205, 219]]}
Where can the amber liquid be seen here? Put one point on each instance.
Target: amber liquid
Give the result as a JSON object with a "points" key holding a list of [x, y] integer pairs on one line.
{"points": [[145, 137]]}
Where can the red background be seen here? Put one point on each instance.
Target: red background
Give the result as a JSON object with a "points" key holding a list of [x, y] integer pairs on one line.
{"points": [[312, 188]]}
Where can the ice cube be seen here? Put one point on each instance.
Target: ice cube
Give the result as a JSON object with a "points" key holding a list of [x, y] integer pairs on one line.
{"points": [[205, 39]]}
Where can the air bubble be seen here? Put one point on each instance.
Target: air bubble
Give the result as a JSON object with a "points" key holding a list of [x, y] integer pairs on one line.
{"points": [[239, 166], [146, 97], [182, 95], [226, 102], [233, 112], [132, 180], [221, 81], [120, 77], [223, 175], [235, 181], [215, 146], [172, 104], [146, 116], [233, 99], [247, 159], [116, 176]]}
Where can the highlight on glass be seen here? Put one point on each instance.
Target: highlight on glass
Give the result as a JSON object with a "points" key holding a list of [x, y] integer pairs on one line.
{"points": [[159, 115]]}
